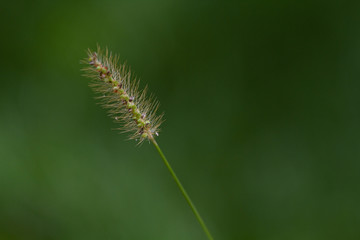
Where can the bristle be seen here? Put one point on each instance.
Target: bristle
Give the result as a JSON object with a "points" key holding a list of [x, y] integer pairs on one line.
{"points": [[119, 93]]}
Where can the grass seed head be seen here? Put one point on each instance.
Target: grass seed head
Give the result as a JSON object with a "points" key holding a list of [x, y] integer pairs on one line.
{"points": [[119, 93]]}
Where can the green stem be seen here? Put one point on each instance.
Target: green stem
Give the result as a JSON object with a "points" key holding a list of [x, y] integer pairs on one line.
{"points": [[192, 206]]}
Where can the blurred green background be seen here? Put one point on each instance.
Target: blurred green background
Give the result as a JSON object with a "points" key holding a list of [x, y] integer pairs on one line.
{"points": [[262, 120]]}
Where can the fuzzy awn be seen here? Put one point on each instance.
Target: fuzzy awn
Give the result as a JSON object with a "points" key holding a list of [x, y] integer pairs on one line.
{"points": [[128, 105], [121, 96]]}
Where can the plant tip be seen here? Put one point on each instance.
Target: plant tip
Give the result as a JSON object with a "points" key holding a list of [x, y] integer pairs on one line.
{"points": [[121, 95]]}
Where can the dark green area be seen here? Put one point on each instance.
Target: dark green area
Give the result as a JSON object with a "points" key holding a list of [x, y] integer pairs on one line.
{"points": [[262, 123]]}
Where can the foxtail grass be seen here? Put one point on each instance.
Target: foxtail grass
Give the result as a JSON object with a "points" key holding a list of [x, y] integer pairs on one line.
{"points": [[136, 112]]}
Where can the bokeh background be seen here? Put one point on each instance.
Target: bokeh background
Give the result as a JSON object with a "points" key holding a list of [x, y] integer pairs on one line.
{"points": [[262, 111]]}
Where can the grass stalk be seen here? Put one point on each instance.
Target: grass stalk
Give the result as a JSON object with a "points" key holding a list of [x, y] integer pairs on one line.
{"points": [[182, 190]]}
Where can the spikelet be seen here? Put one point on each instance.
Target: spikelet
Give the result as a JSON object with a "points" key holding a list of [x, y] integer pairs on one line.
{"points": [[119, 93]]}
